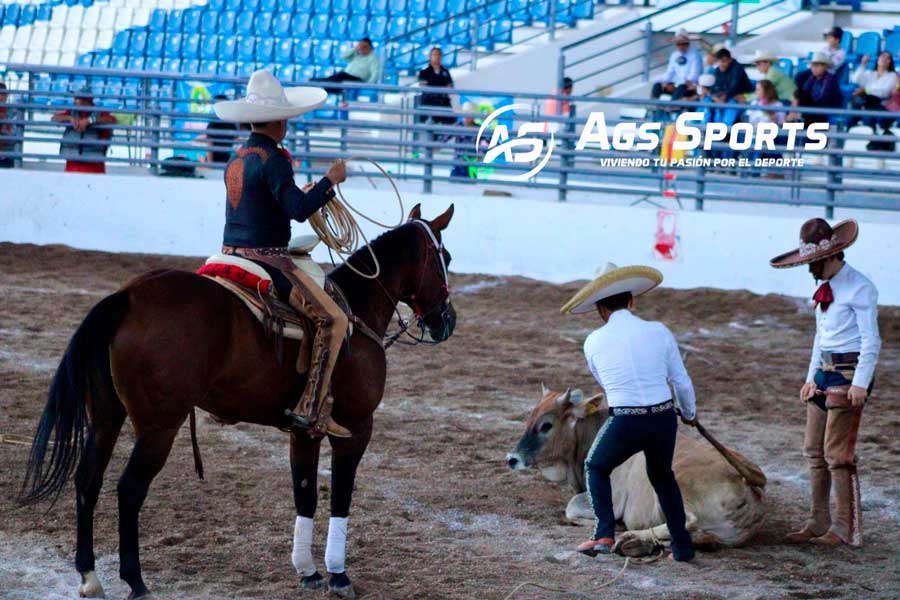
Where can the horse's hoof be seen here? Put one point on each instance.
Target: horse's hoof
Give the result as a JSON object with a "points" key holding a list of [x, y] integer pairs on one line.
{"points": [[90, 586], [339, 585], [313, 582]]}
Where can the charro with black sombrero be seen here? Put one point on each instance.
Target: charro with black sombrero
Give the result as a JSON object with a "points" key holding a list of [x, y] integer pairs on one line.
{"points": [[838, 380], [634, 361], [262, 200]]}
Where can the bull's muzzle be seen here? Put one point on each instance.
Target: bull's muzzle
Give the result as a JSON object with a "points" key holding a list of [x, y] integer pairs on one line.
{"points": [[515, 461]]}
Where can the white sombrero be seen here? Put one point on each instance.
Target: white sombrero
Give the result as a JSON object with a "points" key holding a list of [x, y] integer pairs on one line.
{"points": [[267, 100], [612, 280]]}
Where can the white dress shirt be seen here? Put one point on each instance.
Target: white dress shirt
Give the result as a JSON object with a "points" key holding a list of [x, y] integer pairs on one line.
{"points": [[634, 361], [683, 66], [849, 325], [882, 85], [837, 55]]}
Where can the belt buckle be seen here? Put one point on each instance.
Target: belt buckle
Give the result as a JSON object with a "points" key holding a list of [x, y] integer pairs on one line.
{"points": [[827, 357]]}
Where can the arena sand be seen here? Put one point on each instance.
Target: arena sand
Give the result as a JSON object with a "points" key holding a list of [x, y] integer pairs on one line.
{"points": [[436, 513]]}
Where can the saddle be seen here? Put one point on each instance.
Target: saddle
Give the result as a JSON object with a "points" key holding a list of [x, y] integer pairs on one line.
{"points": [[253, 286]]}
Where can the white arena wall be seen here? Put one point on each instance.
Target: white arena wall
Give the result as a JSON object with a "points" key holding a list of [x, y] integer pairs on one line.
{"points": [[534, 238]]}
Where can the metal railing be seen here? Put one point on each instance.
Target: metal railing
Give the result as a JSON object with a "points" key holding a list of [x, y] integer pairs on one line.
{"points": [[432, 145]]}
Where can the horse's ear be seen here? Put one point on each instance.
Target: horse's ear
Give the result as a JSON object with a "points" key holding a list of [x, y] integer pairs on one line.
{"points": [[416, 213], [442, 221]]}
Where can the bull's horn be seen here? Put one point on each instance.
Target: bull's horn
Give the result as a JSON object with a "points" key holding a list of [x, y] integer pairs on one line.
{"points": [[564, 397], [544, 389]]}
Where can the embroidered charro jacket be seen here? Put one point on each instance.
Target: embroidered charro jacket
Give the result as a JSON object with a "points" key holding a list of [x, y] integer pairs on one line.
{"points": [[263, 198]]}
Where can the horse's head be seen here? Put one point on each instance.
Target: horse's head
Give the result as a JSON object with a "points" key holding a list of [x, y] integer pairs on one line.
{"points": [[427, 290]]}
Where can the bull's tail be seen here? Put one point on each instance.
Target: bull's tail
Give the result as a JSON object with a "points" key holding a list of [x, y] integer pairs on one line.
{"points": [[84, 370]]}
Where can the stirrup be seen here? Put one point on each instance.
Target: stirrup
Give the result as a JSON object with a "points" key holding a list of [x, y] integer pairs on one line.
{"points": [[297, 420]]}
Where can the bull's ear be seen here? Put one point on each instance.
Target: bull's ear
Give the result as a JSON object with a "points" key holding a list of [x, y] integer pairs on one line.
{"points": [[416, 213], [544, 389], [564, 398]]}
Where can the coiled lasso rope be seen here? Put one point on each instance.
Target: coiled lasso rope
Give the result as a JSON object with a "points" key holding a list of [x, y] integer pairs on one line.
{"points": [[338, 229]]}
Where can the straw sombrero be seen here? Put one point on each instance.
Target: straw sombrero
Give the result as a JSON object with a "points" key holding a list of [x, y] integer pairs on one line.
{"points": [[766, 55], [822, 59], [818, 240], [267, 100], [612, 280]]}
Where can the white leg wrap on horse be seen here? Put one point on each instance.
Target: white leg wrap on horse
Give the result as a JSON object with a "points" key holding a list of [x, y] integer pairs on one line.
{"points": [[336, 548], [302, 554]]}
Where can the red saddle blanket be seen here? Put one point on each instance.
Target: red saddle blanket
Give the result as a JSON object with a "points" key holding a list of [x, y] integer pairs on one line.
{"points": [[238, 275]]}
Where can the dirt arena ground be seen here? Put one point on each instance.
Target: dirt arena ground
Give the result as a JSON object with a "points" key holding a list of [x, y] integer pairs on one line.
{"points": [[436, 513]]}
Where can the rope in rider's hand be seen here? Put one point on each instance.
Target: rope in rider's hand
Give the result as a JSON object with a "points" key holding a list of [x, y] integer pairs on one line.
{"points": [[339, 230]]}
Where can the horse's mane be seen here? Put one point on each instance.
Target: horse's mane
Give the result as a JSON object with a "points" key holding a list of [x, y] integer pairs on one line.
{"points": [[389, 245]]}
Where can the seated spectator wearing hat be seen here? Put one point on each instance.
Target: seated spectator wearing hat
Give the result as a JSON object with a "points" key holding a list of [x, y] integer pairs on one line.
{"points": [[83, 138], [784, 86], [836, 55], [875, 88], [685, 66], [436, 75], [362, 66], [732, 82], [820, 90]]}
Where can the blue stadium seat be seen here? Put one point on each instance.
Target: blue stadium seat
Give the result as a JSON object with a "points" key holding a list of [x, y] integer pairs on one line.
{"points": [[263, 23], [158, 20], [209, 23], [418, 28], [501, 31], [209, 47], [358, 27], [45, 12], [246, 49], [101, 61], [437, 9], [121, 43], [417, 8], [300, 24], [322, 52], [251, 5], [136, 63], [153, 64], [286, 6], [228, 67], [216, 5], [190, 45], [378, 7], [340, 7], [302, 50], [284, 51], [245, 22], [227, 48], [456, 7], [305, 73], [397, 26], [227, 22], [403, 56], [265, 49], [319, 26], [172, 65], [281, 28], [174, 21], [519, 11], [359, 7], [191, 20], [209, 67], [460, 31], [85, 60], [190, 66], [868, 43], [3, 14], [138, 44], [540, 11], [245, 69], [484, 39], [847, 41], [892, 43], [583, 9], [118, 63], [284, 73], [303, 7], [234, 5], [268, 5], [338, 27], [377, 28], [438, 32], [172, 45], [322, 7], [397, 7], [27, 15], [786, 66], [156, 41]]}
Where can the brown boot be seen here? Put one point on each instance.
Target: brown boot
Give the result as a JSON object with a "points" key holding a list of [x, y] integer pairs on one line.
{"points": [[820, 513], [847, 525]]}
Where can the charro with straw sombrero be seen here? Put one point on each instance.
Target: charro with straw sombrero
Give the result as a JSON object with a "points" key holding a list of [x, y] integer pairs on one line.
{"points": [[610, 281], [818, 240], [267, 100]]}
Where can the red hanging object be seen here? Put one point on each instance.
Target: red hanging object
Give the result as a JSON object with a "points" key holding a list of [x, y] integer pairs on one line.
{"points": [[824, 296]]}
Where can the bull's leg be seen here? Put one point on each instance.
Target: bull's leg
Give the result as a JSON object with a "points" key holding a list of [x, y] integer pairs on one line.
{"points": [[147, 459], [641, 542], [304, 471], [346, 454]]}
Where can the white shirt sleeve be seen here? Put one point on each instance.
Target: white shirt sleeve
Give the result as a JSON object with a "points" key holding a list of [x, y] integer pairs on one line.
{"points": [[679, 378], [865, 307], [883, 86], [816, 359], [670, 75], [860, 76]]}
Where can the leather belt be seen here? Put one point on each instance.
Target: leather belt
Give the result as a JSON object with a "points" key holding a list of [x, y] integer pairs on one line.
{"points": [[630, 411], [840, 359]]}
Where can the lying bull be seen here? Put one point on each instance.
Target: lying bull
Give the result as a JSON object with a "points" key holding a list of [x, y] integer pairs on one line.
{"points": [[722, 507]]}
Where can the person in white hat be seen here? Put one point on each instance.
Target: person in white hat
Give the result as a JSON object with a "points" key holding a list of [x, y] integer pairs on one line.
{"points": [[820, 90], [784, 85], [635, 361], [262, 200], [685, 66]]}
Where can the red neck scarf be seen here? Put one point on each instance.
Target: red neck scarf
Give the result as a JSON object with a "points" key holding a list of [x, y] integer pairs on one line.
{"points": [[824, 296]]}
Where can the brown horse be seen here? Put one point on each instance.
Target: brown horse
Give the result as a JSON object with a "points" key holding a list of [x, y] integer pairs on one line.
{"points": [[172, 340]]}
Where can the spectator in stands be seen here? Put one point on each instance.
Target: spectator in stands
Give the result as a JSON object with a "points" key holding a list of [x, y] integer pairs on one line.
{"points": [[875, 88], [766, 96], [85, 135], [820, 90], [732, 82], [784, 85], [705, 85], [464, 144], [685, 66], [436, 75], [711, 62], [362, 66], [6, 130], [833, 51], [221, 136]]}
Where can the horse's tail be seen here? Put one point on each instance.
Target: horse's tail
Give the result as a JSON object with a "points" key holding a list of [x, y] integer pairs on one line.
{"points": [[84, 370]]}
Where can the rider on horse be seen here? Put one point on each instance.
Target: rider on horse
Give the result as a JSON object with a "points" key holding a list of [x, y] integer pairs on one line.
{"points": [[262, 200]]}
